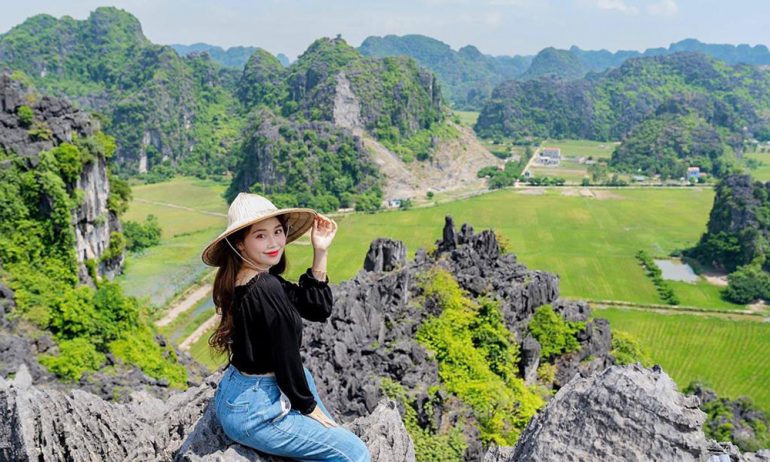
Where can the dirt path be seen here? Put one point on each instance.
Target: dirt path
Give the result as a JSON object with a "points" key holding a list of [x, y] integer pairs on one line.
{"points": [[184, 305], [198, 333], [748, 314]]}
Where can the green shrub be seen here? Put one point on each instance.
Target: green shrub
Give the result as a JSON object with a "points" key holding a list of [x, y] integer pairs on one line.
{"points": [[627, 350], [748, 283], [555, 335], [429, 444], [26, 115], [141, 236], [139, 348], [75, 357], [476, 359]]}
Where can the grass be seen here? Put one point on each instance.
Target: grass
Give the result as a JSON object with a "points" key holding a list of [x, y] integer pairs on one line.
{"points": [[590, 243], [467, 118], [762, 172], [733, 356]]}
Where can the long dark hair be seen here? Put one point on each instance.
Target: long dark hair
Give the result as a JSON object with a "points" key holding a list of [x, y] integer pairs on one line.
{"points": [[224, 288]]}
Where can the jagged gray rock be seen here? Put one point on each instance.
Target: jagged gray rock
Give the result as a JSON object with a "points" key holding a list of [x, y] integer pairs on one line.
{"points": [[371, 332], [385, 255], [39, 423], [622, 413]]}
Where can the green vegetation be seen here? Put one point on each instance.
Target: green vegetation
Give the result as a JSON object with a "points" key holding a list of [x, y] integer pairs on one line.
{"points": [[665, 290], [477, 359], [738, 421], [320, 166], [555, 335], [191, 212], [748, 283], [676, 138], [737, 239], [467, 76], [733, 356], [626, 349], [675, 111], [556, 64], [430, 444], [37, 248], [140, 236], [181, 104]]}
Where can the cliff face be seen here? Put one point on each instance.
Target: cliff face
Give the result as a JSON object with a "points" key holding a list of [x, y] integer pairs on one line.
{"points": [[54, 122]]}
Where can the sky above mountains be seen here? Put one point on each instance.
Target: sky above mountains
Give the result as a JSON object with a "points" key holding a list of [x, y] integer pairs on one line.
{"points": [[497, 27]]}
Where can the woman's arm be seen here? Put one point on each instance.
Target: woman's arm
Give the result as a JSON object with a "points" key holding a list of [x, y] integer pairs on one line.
{"points": [[312, 297]]}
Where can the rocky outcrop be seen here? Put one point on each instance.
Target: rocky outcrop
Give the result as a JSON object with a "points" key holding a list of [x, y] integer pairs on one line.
{"points": [[620, 414], [347, 107], [44, 424], [385, 255], [371, 332], [56, 121]]}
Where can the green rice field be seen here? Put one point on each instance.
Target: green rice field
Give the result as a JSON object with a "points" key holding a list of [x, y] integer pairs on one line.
{"points": [[733, 356]]}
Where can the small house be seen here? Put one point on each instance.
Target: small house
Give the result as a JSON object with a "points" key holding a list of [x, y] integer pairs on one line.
{"points": [[549, 156]]}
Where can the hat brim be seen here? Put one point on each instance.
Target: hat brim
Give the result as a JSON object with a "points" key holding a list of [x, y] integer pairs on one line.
{"points": [[299, 221]]}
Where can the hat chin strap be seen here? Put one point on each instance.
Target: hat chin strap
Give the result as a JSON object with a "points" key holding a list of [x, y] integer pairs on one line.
{"points": [[254, 265]]}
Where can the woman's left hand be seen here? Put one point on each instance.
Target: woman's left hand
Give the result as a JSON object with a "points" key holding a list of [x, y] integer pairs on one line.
{"points": [[322, 232]]}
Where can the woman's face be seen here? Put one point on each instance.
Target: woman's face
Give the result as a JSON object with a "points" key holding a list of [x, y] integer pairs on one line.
{"points": [[264, 242]]}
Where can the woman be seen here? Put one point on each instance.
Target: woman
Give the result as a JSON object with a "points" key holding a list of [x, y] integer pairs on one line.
{"points": [[266, 398]]}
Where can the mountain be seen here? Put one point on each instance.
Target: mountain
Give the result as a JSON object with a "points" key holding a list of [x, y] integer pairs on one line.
{"points": [[609, 105], [162, 109], [307, 119], [189, 115], [554, 63], [466, 75], [686, 130], [233, 57]]}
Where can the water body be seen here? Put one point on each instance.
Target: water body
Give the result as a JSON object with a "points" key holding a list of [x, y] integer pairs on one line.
{"points": [[675, 270]]}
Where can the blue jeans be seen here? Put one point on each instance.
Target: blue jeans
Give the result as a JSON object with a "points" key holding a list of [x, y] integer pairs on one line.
{"points": [[254, 412]]}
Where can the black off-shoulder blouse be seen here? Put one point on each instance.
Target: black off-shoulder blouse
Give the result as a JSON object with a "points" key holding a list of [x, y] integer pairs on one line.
{"points": [[267, 329]]}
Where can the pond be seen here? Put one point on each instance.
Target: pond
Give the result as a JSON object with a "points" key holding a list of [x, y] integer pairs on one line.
{"points": [[675, 270]]}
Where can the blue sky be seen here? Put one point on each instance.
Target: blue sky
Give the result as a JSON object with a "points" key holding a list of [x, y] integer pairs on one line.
{"points": [[497, 27]]}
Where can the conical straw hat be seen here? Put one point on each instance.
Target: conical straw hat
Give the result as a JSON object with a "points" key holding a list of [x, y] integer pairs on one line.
{"points": [[248, 209]]}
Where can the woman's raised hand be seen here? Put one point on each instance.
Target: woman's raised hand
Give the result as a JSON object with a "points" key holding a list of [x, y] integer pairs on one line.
{"points": [[322, 232]]}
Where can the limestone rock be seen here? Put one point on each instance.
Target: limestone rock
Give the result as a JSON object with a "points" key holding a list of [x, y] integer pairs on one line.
{"points": [[38, 423], [622, 413]]}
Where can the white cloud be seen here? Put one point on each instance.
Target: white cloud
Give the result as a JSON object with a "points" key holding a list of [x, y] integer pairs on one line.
{"points": [[663, 8], [616, 5]]}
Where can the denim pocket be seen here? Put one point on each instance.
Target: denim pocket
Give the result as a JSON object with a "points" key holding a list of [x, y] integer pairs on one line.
{"points": [[253, 397]]}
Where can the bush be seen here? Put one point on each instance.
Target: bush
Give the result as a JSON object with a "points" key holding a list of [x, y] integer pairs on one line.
{"points": [[26, 115], [748, 283], [626, 349], [477, 359], [430, 444], [75, 357], [555, 335], [141, 236]]}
